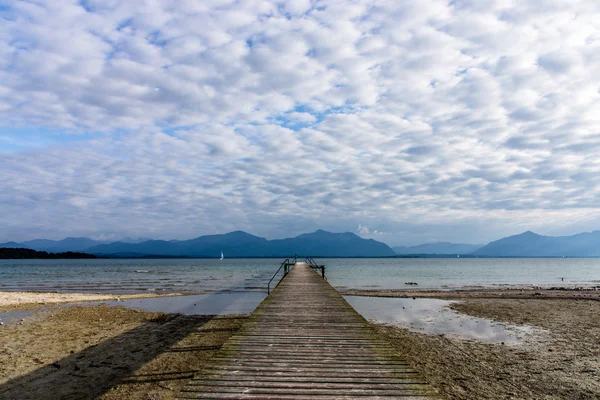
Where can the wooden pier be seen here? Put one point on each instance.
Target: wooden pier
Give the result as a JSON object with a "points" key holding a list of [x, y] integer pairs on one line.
{"points": [[306, 342]]}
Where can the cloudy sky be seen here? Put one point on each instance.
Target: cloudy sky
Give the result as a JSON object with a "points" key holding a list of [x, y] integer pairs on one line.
{"points": [[404, 121]]}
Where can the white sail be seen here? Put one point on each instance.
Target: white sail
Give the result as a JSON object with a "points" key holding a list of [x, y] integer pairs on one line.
{"points": [[221, 255]]}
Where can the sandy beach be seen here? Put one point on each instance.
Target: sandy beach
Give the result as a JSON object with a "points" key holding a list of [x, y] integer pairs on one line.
{"points": [[565, 364], [105, 352], [30, 300], [118, 353]]}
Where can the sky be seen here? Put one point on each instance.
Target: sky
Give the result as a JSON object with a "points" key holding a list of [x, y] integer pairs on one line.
{"points": [[403, 121]]}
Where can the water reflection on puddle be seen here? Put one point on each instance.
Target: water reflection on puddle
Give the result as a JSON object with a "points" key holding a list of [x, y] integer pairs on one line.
{"points": [[203, 304], [14, 316], [435, 317]]}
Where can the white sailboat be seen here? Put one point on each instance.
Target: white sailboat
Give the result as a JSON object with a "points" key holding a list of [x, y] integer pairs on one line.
{"points": [[221, 256]]}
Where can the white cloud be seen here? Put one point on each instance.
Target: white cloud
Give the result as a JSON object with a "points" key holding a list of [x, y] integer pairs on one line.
{"points": [[321, 113], [365, 232]]}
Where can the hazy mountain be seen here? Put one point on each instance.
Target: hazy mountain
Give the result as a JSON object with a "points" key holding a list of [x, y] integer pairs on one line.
{"points": [[242, 244], [400, 249], [39, 244], [73, 244], [10, 245], [55, 246], [133, 240], [530, 244], [150, 247], [438, 248]]}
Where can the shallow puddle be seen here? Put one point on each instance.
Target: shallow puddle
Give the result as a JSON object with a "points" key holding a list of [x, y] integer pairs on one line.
{"points": [[14, 316], [435, 317], [203, 304]]}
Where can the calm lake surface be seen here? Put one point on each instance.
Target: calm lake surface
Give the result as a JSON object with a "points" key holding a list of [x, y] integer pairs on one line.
{"points": [[252, 275]]}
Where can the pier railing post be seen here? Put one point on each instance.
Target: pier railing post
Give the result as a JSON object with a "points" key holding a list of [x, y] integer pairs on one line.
{"points": [[286, 268]]}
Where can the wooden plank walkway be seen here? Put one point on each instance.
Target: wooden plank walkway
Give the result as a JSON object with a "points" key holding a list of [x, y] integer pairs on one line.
{"points": [[306, 342]]}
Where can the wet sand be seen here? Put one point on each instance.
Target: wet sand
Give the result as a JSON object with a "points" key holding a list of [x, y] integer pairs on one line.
{"points": [[10, 301], [89, 352], [575, 293], [564, 364]]}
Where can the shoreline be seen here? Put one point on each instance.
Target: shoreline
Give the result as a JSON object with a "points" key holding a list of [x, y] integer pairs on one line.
{"points": [[13, 301], [28, 300], [578, 293]]}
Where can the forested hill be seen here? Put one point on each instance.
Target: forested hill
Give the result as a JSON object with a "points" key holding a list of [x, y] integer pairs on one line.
{"points": [[20, 253]]}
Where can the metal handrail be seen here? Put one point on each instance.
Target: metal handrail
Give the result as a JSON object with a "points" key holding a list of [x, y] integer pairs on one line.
{"points": [[311, 263], [285, 266]]}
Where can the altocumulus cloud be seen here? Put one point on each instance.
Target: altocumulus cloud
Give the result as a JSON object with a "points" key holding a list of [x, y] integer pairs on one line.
{"points": [[429, 120]]}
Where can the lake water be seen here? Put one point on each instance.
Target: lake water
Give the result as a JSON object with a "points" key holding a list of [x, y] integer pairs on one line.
{"points": [[202, 276]]}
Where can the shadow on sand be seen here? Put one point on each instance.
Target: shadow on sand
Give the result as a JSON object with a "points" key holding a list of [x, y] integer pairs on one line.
{"points": [[96, 369]]}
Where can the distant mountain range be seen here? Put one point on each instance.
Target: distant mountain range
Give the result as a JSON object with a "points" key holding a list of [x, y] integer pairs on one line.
{"points": [[233, 244], [321, 244], [530, 244], [437, 248], [242, 244], [55, 246]]}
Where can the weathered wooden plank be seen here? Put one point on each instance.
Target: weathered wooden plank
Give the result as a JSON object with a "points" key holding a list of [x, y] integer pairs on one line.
{"points": [[265, 384], [304, 379], [307, 391], [338, 396], [374, 372], [306, 342]]}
